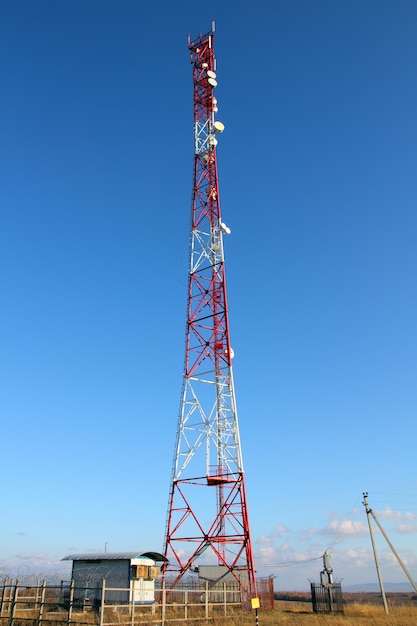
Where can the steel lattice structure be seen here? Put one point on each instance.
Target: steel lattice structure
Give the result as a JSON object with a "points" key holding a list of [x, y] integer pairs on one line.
{"points": [[207, 510]]}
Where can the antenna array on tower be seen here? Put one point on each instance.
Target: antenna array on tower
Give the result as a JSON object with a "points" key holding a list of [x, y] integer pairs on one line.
{"points": [[207, 512]]}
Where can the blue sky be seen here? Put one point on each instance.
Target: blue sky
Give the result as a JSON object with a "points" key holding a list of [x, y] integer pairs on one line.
{"points": [[318, 183]]}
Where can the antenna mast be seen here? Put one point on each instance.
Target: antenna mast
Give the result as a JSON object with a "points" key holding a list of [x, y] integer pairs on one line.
{"points": [[207, 512]]}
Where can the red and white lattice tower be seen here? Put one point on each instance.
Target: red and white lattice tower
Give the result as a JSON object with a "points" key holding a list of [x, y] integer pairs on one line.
{"points": [[207, 516]]}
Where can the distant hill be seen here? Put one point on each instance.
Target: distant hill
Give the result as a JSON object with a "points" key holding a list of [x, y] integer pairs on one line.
{"points": [[374, 587]]}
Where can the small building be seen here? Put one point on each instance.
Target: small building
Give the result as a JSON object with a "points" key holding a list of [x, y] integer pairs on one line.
{"points": [[219, 577], [134, 573]]}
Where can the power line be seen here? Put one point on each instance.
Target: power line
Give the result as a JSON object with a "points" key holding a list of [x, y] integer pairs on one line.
{"points": [[290, 563], [354, 512]]}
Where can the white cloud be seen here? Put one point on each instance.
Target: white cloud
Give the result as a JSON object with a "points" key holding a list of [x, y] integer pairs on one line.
{"points": [[305, 535], [31, 556], [281, 529], [32, 566], [266, 555], [406, 529], [359, 557], [285, 547], [264, 539], [390, 514], [298, 559], [346, 527]]}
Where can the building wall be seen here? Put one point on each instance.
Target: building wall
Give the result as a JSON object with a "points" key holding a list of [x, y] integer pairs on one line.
{"points": [[134, 578], [90, 574], [219, 574], [116, 572], [143, 574]]}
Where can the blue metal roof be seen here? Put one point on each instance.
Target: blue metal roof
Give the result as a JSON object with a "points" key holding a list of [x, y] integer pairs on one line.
{"points": [[115, 556]]}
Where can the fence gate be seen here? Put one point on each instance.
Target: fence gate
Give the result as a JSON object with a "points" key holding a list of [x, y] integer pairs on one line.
{"points": [[327, 599]]}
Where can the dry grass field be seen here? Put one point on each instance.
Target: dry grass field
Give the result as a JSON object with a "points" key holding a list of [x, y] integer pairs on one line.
{"points": [[291, 609], [360, 609], [356, 614], [287, 613]]}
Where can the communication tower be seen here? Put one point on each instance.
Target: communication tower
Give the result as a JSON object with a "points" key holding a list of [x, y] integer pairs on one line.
{"points": [[207, 512]]}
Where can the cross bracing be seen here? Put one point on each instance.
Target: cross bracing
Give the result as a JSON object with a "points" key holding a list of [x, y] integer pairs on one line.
{"points": [[207, 513]]}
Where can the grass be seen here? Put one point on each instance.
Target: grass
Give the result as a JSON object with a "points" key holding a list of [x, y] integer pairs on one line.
{"points": [[300, 614], [290, 613], [354, 615]]}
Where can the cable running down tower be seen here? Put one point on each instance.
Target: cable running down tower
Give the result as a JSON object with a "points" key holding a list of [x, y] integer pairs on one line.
{"points": [[207, 511]]}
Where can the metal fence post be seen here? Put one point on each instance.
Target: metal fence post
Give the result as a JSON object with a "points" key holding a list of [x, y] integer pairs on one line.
{"points": [[71, 602], [13, 600], [42, 602], [164, 599], [207, 601], [2, 596], [132, 604], [7, 594], [103, 592]]}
